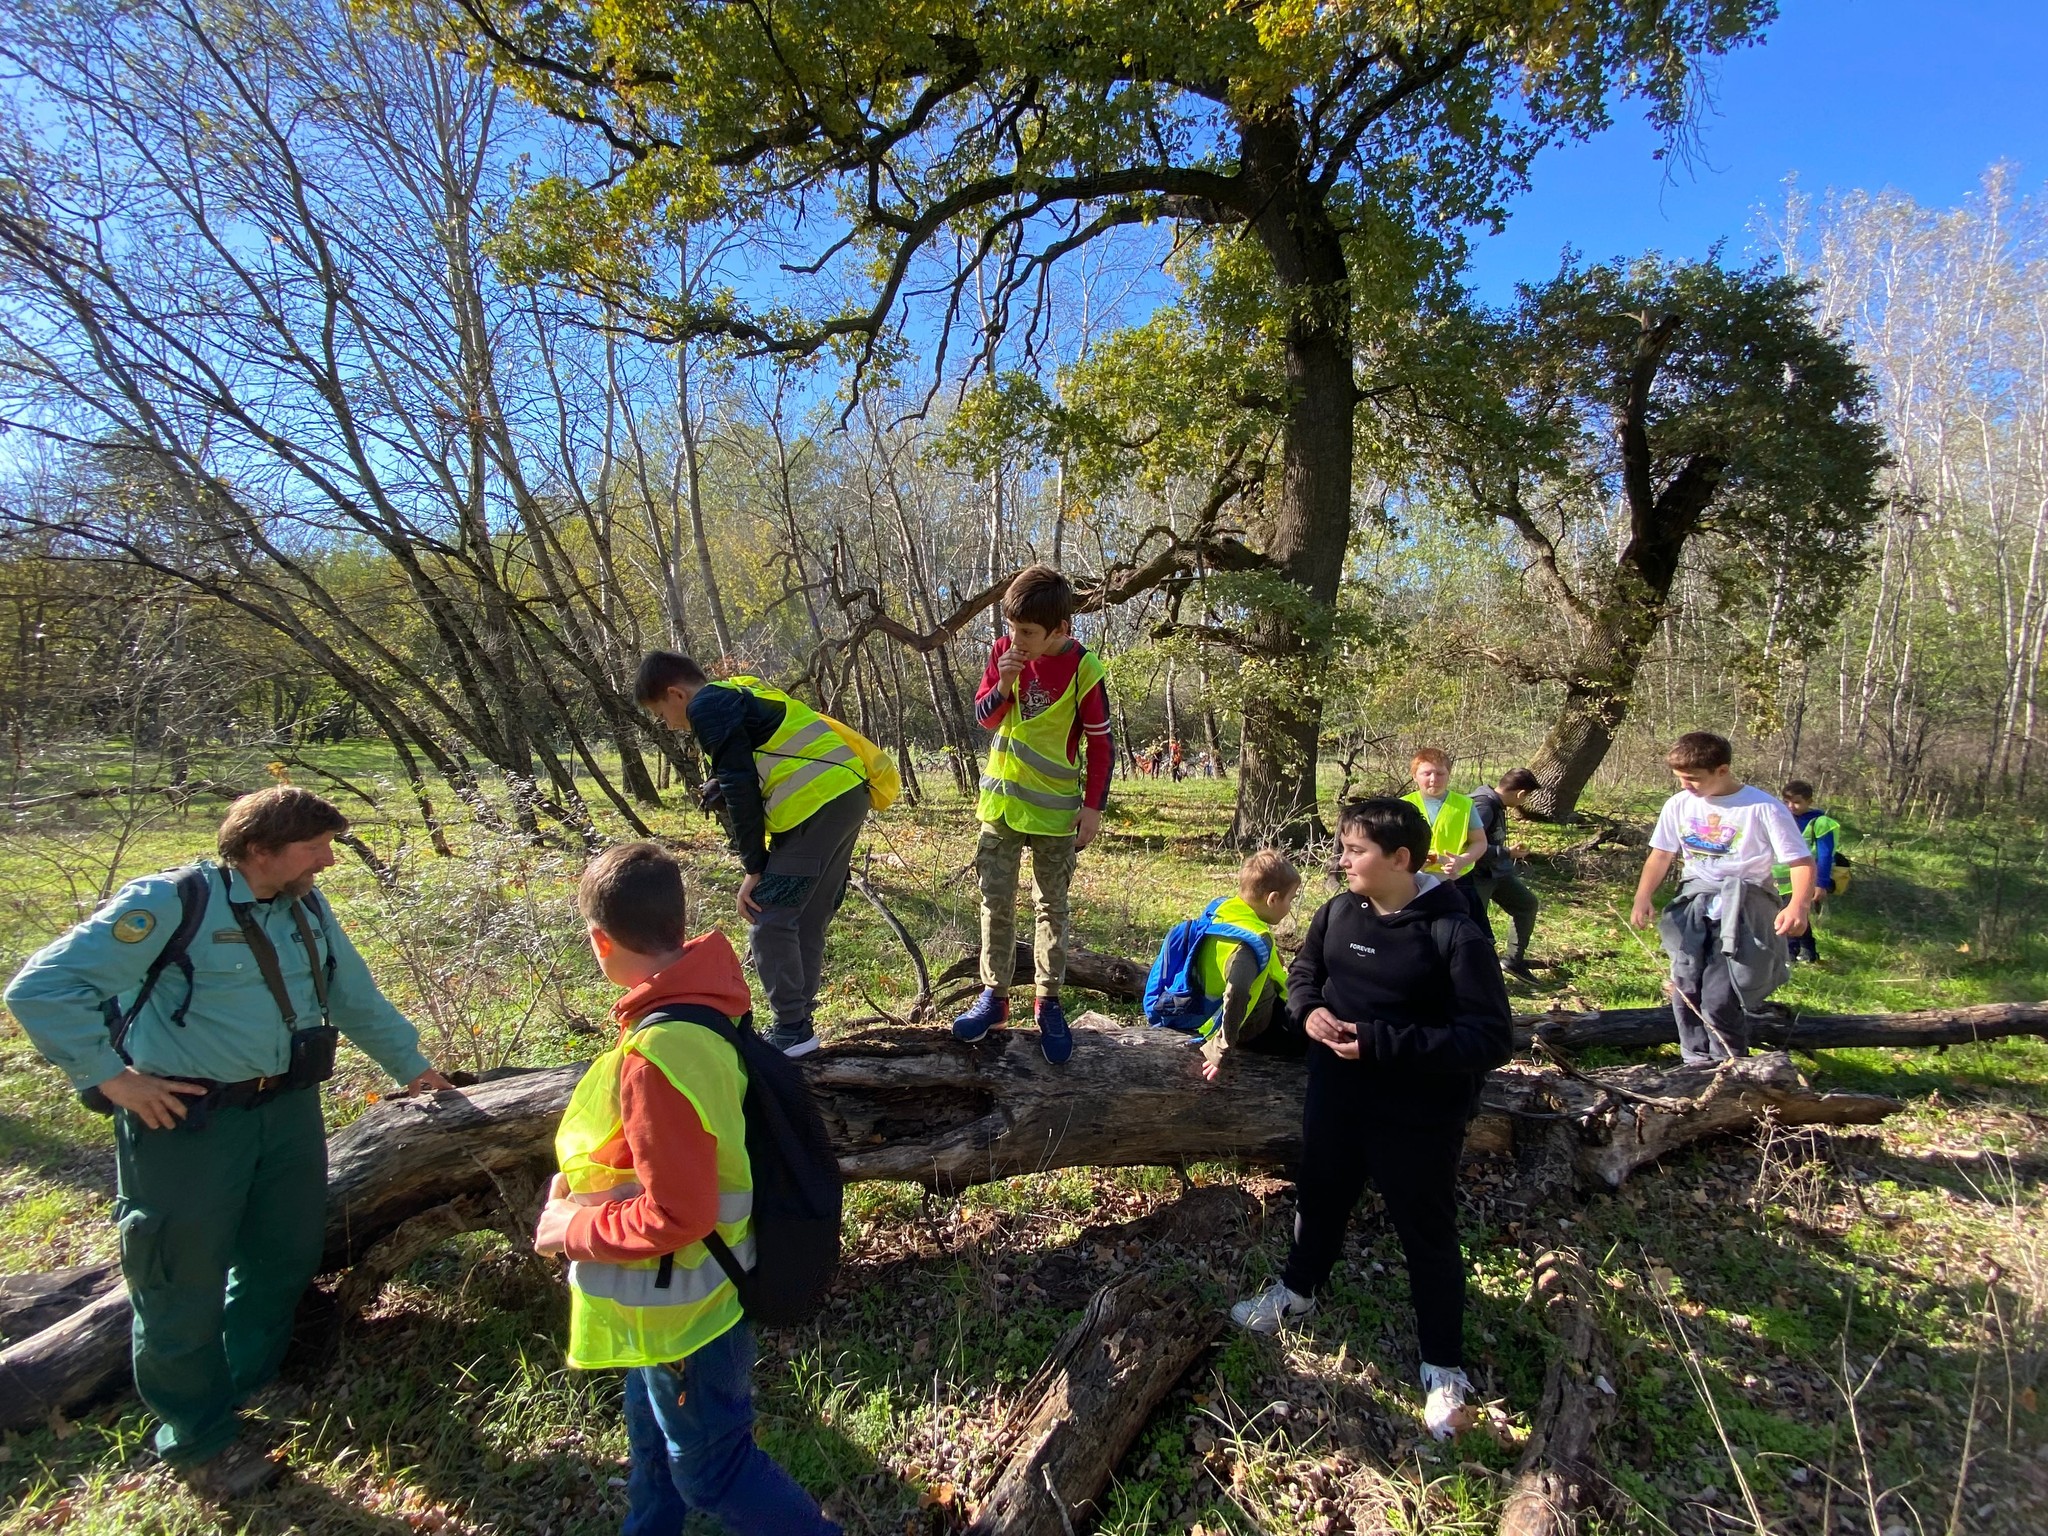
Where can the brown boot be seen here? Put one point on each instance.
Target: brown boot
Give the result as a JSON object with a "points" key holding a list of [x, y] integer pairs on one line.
{"points": [[238, 1472]]}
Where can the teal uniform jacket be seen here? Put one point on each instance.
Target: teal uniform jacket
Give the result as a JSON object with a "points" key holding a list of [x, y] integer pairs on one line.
{"points": [[232, 1030]]}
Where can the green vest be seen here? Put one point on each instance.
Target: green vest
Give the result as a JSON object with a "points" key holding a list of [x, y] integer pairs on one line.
{"points": [[1031, 785], [804, 766], [1215, 952], [657, 1311], [1813, 832], [1453, 822]]}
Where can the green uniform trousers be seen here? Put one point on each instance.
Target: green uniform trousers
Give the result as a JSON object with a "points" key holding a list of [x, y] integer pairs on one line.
{"points": [[998, 861], [221, 1230]]}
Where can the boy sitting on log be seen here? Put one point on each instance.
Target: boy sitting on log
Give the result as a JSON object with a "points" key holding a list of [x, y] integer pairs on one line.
{"points": [[1724, 930], [1219, 976], [653, 1153], [1401, 996]]}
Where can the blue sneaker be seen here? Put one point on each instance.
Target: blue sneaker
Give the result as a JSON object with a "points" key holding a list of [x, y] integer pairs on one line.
{"points": [[990, 1009], [1054, 1038]]}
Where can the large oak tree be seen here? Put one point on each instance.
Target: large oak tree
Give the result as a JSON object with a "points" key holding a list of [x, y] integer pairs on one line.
{"points": [[883, 155]]}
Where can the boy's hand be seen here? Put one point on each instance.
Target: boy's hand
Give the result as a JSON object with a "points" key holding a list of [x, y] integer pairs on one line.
{"points": [[1009, 667], [1640, 914], [1087, 827], [1792, 920], [750, 909], [551, 1232], [1326, 1028], [1212, 1058]]}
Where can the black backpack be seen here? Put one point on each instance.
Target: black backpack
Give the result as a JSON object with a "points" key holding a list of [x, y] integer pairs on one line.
{"points": [[797, 1189]]}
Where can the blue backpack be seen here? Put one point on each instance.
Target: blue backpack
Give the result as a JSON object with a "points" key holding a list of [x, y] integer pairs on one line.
{"points": [[1173, 996]]}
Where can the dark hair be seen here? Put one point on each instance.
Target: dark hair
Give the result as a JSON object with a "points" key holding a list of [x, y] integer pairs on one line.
{"points": [[1798, 789], [1391, 824], [663, 670], [1518, 778], [1699, 752], [272, 818], [1040, 595], [634, 892]]}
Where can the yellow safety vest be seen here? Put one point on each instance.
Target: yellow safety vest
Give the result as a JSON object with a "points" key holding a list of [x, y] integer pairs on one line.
{"points": [[1453, 822], [657, 1311], [1217, 950], [805, 765], [1031, 784]]}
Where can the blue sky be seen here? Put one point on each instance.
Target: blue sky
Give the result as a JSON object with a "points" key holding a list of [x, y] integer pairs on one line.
{"points": [[1842, 93]]}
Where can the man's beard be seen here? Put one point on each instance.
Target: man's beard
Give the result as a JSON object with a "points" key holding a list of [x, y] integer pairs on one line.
{"points": [[302, 887]]}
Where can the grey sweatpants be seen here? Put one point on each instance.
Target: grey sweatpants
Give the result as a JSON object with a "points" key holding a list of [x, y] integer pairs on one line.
{"points": [[789, 940]]}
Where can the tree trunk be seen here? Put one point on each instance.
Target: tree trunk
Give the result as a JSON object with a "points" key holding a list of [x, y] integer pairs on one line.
{"points": [[1559, 1472], [1085, 1405]]}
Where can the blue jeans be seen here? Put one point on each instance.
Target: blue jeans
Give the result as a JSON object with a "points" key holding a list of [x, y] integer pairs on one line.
{"points": [[691, 1427]]}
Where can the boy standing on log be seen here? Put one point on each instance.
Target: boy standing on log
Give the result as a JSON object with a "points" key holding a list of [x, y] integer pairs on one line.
{"points": [[1724, 930], [797, 793], [653, 1157], [1043, 695], [1402, 1000]]}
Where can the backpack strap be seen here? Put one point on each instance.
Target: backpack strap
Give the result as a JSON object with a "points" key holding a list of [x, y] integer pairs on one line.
{"points": [[192, 897], [730, 1031], [1443, 932]]}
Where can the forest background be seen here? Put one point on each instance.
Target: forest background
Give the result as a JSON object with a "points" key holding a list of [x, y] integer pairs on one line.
{"points": [[373, 395]]}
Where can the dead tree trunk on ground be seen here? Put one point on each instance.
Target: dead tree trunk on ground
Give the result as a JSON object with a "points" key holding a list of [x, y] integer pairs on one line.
{"points": [[916, 1105], [1559, 1470]]}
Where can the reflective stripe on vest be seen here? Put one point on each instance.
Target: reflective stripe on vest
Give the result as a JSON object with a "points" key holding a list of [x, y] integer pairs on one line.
{"points": [[804, 766], [1235, 923], [623, 1314], [1031, 784], [1453, 822]]}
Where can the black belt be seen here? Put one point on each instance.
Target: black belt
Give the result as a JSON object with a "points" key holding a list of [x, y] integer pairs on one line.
{"points": [[246, 1094]]}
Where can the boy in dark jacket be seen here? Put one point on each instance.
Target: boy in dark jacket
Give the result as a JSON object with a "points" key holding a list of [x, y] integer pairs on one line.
{"points": [[1400, 994]]}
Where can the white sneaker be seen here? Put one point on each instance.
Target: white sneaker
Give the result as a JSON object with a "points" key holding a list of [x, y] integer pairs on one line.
{"points": [[1443, 1413], [1270, 1310]]}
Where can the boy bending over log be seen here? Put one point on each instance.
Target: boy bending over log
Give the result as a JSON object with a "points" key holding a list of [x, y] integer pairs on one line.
{"points": [[1401, 997]]}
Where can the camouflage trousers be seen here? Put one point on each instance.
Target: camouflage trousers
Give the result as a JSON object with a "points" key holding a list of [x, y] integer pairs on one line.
{"points": [[998, 861]]}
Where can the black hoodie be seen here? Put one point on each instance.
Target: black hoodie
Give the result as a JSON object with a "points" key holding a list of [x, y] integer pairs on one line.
{"points": [[1428, 1031]]}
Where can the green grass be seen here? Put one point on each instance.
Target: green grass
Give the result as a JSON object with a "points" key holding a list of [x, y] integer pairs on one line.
{"points": [[1759, 1277]]}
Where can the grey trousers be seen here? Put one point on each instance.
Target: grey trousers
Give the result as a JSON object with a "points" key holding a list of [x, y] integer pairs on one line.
{"points": [[1507, 891], [789, 940]]}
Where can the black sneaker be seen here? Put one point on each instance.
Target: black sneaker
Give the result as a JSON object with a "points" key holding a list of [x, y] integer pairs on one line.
{"points": [[1518, 965], [794, 1039]]}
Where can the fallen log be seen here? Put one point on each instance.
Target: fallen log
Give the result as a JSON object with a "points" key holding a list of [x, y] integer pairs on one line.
{"points": [[1089, 970], [1782, 1030], [918, 1106], [1777, 1028], [1559, 1470], [30, 1303], [1085, 1405]]}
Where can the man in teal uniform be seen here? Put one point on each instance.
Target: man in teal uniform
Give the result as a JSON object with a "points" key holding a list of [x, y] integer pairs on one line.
{"points": [[219, 1150]]}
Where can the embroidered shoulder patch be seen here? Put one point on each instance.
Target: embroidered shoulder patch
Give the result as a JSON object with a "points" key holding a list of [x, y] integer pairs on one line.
{"points": [[134, 927]]}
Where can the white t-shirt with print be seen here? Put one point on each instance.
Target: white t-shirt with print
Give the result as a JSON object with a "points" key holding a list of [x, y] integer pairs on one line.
{"points": [[1742, 834]]}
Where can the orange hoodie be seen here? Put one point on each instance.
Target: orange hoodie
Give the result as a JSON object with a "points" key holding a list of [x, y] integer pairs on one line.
{"points": [[666, 1147]]}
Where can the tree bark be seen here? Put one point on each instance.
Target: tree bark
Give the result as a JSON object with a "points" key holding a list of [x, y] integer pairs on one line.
{"points": [[1634, 1028], [1087, 969], [1086, 1404], [1559, 1471]]}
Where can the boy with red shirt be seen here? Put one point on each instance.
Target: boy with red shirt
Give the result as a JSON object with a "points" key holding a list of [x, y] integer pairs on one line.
{"points": [[654, 1160], [1043, 695]]}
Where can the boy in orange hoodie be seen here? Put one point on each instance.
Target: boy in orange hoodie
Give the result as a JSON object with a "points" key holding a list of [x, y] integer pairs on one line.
{"points": [[653, 1155]]}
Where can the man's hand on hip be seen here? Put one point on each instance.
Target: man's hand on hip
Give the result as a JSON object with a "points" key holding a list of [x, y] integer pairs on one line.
{"points": [[158, 1102]]}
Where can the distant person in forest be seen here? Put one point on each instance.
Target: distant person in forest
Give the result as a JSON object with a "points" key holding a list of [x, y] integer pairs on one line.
{"points": [[1820, 831], [1219, 977], [1044, 696], [1725, 930], [1456, 839], [1400, 994], [1497, 877], [796, 794]]}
